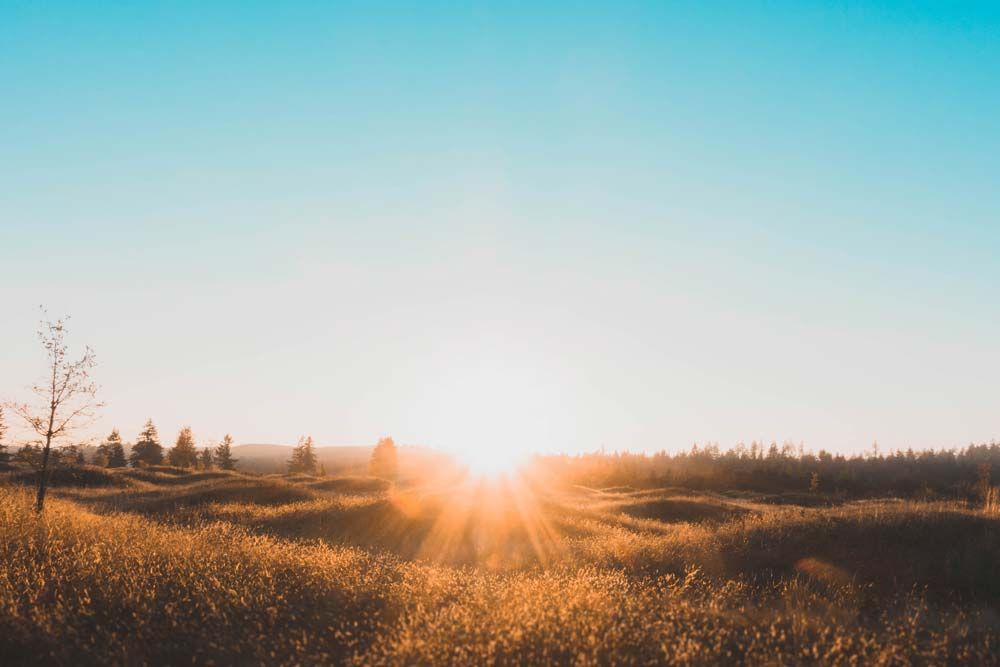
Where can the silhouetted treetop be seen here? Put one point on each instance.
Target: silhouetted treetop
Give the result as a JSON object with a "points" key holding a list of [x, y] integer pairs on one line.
{"points": [[385, 460], [303, 457], [224, 454], [147, 449], [184, 454]]}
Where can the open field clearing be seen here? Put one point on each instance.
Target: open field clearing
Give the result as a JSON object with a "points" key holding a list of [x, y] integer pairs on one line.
{"points": [[499, 333], [165, 566]]}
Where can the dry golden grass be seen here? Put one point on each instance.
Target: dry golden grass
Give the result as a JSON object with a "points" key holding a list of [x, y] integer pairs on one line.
{"points": [[172, 568]]}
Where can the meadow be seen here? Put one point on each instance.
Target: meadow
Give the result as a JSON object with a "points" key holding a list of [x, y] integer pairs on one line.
{"points": [[162, 565]]}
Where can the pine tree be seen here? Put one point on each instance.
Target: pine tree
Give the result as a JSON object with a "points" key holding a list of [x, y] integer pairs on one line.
{"points": [[385, 460], [224, 454], [147, 449], [102, 454], [99, 459], [205, 459], [116, 457], [70, 455], [183, 454], [111, 452], [303, 457], [4, 455]]}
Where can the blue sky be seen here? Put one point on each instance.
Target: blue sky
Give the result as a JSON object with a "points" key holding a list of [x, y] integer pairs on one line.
{"points": [[626, 224]]}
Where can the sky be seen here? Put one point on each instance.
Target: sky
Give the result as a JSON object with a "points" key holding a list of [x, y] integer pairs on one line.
{"points": [[555, 226]]}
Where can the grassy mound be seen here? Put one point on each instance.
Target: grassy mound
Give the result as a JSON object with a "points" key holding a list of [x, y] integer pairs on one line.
{"points": [[674, 510], [378, 523], [78, 476], [941, 549], [296, 477], [204, 489], [145, 475], [167, 470], [180, 479], [798, 499], [351, 485]]}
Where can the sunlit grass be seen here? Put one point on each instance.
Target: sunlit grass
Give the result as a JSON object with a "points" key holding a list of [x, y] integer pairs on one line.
{"points": [[237, 568]]}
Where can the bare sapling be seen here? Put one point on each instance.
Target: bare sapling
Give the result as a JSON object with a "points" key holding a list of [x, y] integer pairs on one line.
{"points": [[66, 399]]}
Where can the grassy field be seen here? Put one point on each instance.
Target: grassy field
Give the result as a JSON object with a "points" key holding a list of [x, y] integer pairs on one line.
{"points": [[171, 567]]}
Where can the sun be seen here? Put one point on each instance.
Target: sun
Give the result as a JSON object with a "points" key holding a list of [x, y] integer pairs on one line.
{"points": [[494, 403], [491, 461]]}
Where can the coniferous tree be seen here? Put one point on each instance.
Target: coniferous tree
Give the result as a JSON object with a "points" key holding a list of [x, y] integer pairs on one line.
{"points": [[303, 457], [71, 454], [205, 459], [111, 452], [385, 460], [224, 454], [99, 459], [116, 455], [101, 456], [147, 449], [183, 454]]}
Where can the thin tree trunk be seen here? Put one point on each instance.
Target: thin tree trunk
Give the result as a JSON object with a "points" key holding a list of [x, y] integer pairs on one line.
{"points": [[43, 478]]}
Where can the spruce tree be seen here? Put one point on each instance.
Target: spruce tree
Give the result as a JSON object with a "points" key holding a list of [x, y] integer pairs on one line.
{"points": [[385, 460], [99, 459], [303, 457], [205, 459], [70, 455], [111, 452], [183, 454], [101, 456], [147, 449], [116, 457], [224, 454]]}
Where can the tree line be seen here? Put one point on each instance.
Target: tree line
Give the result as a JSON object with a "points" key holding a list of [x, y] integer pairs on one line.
{"points": [[961, 473], [147, 451]]}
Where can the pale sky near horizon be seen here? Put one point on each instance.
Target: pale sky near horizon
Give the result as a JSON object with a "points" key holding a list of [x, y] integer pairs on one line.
{"points": [[636, 225]]}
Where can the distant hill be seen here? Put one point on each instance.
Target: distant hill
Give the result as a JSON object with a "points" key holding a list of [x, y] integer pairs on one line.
{"points": [[256, 457]]}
